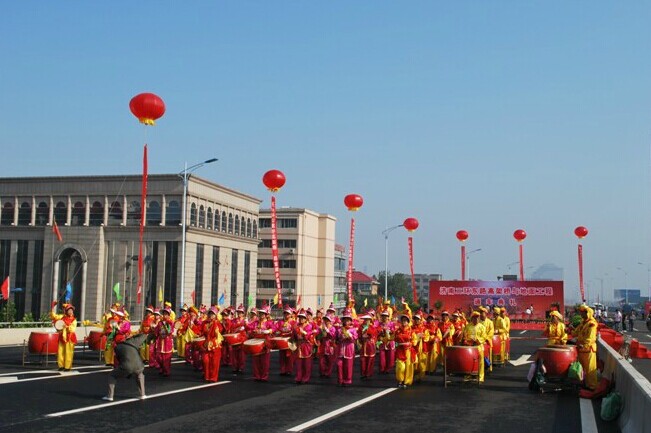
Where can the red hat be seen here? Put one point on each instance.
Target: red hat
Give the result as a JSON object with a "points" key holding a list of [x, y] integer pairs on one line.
{"points": [[253, 311], [309, 311], [150, 309], [156, 311], [445, 312], [302, 313], [66, 307], [241, 309], [266, 310], [331, 307], [213, 310], [328, 317], [347, 314]]}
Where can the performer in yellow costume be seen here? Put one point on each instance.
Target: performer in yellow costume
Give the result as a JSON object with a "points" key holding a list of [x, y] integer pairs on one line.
{"points": [[555, 329], [473, 335], [586, 343], [67, 336], [489, 331]]}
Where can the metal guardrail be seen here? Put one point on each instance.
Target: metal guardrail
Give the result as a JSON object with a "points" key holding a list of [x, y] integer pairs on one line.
{"points": [[14, 325]]}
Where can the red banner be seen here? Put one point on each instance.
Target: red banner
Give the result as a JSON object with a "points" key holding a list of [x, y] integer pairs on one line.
{"points": [[274, 250], [143, 207], [521, 262], [410, 242], [351, 250], [581, 272], [516, 296], [463, 263]]}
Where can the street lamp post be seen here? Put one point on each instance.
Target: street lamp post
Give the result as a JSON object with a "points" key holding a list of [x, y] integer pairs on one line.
{"points": [[185, 175], [468, 260], [386, 257]]}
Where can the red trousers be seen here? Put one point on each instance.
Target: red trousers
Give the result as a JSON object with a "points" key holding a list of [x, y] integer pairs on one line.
{"points": [[345, 370], [286, 361], [303, 370], [368, 365], [237, 358], [261, 366], [226, 355], [387, 360], [211, 362], [153, 356], [326, 363], [165, 363]]}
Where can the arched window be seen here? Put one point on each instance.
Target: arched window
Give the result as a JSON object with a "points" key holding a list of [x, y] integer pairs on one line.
{"points": [[193, 215], [96, 214], [202, 216], [243, 232], [217, 220], [78, 214], [42, 214], [173, 214], [134, 213], [224, 221], [154, 215], [248, 227], [209, 219], [237, 225], [115, 214], [60, 213], [24, 214], [255, 229], [230, 223], [7, 214]]}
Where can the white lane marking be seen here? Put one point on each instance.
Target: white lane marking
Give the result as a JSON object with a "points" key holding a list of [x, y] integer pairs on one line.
{"points": [[523, 359], [16, 373], [588, 421], [59, 375], [522, 332], [341, 410], [648, 335], [131, 400]]}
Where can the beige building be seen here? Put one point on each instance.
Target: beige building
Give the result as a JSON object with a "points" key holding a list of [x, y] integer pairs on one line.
{"points": [[99, 220], [306, 247]]}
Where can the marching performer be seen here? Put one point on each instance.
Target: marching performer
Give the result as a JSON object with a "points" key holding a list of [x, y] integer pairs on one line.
{"points": [[473, 335], [145, 328], [119, 331], [458, 324], [326, 350], [507, 335], [227, 316], [555, 329], [367, 333], [586, 343], [263, 329], [489, 331], [67, 336], [386, 331], [420, 335], [108, 319], [181, 329], [153, 351], [238, 325], [212, 346], [346, 338], [432, 345], [165, 342], [303, 334], [500, 329], [284, 329], [405, 352]]}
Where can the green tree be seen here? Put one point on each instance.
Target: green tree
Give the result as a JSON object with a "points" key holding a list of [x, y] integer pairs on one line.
{"points": [[398, 288]]}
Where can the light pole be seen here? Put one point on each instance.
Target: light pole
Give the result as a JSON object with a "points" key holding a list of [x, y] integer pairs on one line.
{"points": [[468, 260], [185, 175], [625, 282], [648, 278], [386, 257]]}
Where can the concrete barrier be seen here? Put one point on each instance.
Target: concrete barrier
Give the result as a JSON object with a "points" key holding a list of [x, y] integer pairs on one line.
{"points": [[634, 388]]}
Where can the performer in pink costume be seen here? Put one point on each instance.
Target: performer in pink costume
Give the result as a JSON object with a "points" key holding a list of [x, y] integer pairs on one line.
{"points": [[346, 338]]}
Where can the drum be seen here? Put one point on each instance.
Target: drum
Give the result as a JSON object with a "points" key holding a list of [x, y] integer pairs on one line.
{"points": [[280, 343], [557, 359], [59, 325], [96, 340], [497, 350], [43, 343], [178, 325], [254, 346], [462, 360], [234, 339]]}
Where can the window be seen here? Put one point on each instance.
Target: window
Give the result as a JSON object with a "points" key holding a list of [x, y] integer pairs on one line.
{"points": [[7, 214], [237, 225], [265, 223], [115, 214], [25, 214], [230, 223], [198, 277], [134, 213], [202, 216], [281, 223], [243, 232], [282, 243], [173, 214], [268, 263], [78, 214], [22, 253], [37, 277], [234, 278], [214, 281], [248, 227], [271, 284], [154, 214], [217, 220], [193, 215], [96, 214], [171, 266], [255, 229], [42, 214], [61, 213], [224, 222], [247, 277], [209, 219]]}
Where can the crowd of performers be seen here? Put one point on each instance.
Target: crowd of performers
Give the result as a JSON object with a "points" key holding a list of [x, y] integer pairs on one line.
{"points": [[412, 344]]}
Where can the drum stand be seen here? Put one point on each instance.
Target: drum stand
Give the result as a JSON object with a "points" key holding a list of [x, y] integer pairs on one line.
{"points": [[42, 357], [475, 376]]}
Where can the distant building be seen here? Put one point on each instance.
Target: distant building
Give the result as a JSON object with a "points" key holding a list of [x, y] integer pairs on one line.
{"points": [[306, 247], [340, 283], [365, 285], [547, 272], [627, 296], [422, 285]]}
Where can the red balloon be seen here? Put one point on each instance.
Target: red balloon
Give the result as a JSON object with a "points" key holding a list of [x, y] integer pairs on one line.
{"points": [[274, 180], [519, 235], [581, 232], [147, 107], [410, 224], [462, 235], [353, 201]]}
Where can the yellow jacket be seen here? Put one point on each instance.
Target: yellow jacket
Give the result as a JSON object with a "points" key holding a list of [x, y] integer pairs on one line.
{"points": [[555, 333], [489, 329], [474, 334], [586, 334]]}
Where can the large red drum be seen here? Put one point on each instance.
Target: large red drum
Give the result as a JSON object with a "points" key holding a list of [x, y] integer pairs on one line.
{"points": [[254, 346], [43, 343], [235, 339], [96, 340], [557, 359], [462, 360], [280, 343]]}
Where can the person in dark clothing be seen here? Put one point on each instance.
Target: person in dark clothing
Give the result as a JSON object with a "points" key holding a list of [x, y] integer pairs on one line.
{"points": [[129, 364]]}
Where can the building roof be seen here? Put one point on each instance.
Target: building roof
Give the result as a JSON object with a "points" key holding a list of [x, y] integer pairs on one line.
{"points": [[361, 277]]}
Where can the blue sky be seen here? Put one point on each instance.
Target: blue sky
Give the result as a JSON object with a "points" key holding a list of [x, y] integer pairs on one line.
{"points": [[486, 116]]}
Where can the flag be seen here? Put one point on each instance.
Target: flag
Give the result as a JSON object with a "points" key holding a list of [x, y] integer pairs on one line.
{"points": [[365, 302], [192, 295], [318, 300], [393, 300], [160, 294], [298, 301], [222, 299], [69, 292], [250, 299], [5, 289], [116, 290], [276, 299], [55, 230], [334, 298]]}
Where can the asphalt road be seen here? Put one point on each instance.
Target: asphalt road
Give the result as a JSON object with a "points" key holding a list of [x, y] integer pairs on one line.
{"points": [[33, 398]]}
